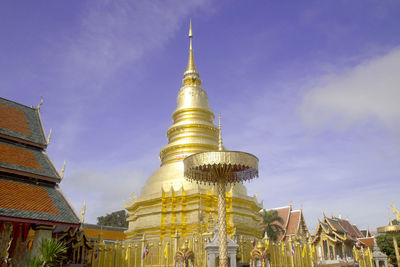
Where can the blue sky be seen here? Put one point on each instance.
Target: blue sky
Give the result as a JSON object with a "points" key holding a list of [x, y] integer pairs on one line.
{"points": [[310, 87]]}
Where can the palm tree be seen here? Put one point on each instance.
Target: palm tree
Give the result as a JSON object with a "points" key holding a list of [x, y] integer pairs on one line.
{"points": [[269, 224], [51, 253]]}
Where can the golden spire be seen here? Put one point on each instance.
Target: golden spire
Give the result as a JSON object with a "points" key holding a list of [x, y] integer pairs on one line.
{"points": [[191, 68], [220, 147]]}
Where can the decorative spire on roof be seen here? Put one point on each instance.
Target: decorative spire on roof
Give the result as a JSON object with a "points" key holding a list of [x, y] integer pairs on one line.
{"points": [[191, 73], [62, 170], [40, 104], [48, 138]]}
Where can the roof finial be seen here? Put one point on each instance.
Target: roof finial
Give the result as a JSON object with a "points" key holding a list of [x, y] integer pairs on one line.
{"points": [[40, 104], [62, 170], [83, 211], [48, 138], [191, 68], [220, 148]]}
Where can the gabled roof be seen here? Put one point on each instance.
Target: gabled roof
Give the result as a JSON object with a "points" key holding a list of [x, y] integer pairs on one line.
{"points": [[38, 203], [21, 123], [367, 241], [335, 225], [294, 222], [26, 161], [351, 229], [284, 213]]}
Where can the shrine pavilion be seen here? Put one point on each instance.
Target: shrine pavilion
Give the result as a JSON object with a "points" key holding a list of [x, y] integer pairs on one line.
{"points": [[31, 202]]}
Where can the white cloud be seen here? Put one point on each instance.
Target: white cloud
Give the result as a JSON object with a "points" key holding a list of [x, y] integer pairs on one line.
{"points": [[367, 92], [103, 192], [115, 33]]}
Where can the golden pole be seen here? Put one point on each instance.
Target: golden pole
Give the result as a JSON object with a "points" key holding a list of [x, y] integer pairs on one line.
{"points": [[396, 248], [223, 249]]}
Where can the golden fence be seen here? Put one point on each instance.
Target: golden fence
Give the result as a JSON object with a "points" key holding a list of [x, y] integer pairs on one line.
{"points": [[363, 257], [301, 254], [281, 254]]}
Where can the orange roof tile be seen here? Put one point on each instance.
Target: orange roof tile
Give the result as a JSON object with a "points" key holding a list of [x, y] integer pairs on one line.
{"points": [[18, 156], [14, 119], [294, 222], [284, 213], [107, 234], [18, 196], [368, 241]]}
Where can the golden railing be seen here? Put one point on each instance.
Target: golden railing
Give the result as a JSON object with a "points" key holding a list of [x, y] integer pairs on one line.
{"points": [[280, 254]]}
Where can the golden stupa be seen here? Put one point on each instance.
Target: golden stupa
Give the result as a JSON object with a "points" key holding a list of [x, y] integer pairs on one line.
{"points": [[168, 204]]}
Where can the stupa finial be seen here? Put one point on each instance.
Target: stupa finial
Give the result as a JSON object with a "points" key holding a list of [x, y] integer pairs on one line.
{"points": [[191, 68], [220, 147]]}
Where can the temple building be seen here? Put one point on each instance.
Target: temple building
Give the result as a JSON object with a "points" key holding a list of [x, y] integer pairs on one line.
{"points": [[293, 225], [335, 238], [31, 202], [168, 204]]}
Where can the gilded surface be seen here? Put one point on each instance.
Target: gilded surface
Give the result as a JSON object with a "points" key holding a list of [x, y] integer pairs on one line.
{"points": [[389, 229], [169, 204], [238, 166]]}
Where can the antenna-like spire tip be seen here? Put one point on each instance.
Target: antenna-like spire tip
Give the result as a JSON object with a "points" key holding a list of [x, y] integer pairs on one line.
{"points": [[190, 29]]}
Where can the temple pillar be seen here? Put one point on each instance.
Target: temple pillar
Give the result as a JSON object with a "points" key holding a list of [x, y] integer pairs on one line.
{"points": [[211, 260], [41, 232]]}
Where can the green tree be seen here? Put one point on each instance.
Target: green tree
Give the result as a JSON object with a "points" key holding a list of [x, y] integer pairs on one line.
{"points": [[385, 244], [116, 218], [269, 224], [52, 252]]}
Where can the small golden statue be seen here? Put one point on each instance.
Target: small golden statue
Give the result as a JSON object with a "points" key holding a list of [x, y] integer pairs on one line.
{"points": [[396, 212]]}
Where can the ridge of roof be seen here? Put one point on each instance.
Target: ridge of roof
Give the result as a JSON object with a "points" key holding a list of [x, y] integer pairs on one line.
{"points": [[16, 103], [279, 208]]}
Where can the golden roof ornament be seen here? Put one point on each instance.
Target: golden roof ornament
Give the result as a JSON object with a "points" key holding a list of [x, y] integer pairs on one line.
{"points": [[48, 137], [62, 170], [191, 75], [83, 211], [40, 104]]}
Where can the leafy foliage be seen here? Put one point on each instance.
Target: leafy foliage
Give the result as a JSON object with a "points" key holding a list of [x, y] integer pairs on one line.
{"points": [[269, 224], [52, 252], [116, 218], [385, 244]]}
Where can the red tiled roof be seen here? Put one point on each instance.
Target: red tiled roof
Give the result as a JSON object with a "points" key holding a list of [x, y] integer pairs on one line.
{"points": [[284, 213], [18, 156], [368, 241], [357, 231], [294, 222], [351, 230], [18, 196], [14, 119]]}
